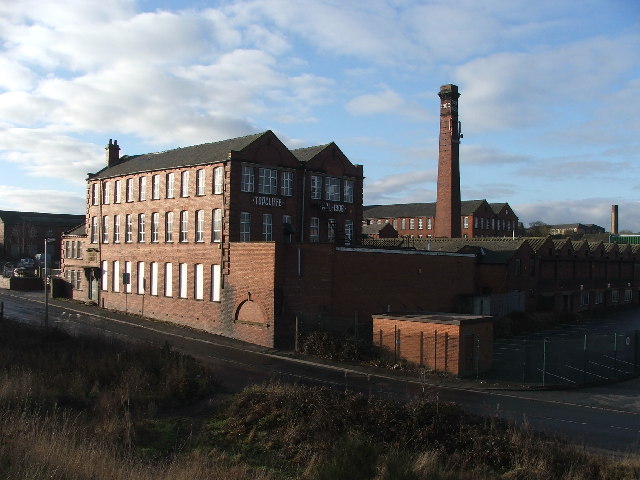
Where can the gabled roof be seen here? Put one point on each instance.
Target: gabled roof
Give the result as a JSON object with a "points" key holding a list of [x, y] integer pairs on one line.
{"points": [[497, 207], [375, 228], [79, 231], [307, 153], [179, 157], [467, 207]]}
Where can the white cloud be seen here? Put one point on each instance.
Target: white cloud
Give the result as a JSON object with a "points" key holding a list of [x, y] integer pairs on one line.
{"points": [[385, 102], [49, 201], [41, 153], [481, 155], [587, 210], [416, 186], [508, 90]]}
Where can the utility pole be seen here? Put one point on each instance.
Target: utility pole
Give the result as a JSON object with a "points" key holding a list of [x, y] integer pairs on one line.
{"points": [[45, 278]]}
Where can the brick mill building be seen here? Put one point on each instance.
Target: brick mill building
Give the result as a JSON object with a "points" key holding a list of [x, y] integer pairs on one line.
{"points": [[478, 219], [243, 236]]}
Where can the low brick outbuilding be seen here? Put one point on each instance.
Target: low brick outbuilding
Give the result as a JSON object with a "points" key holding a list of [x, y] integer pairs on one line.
{"points": [[461, 345]]}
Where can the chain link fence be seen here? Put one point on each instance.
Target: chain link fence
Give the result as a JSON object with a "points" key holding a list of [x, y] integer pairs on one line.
{"points": [[572, 360]]}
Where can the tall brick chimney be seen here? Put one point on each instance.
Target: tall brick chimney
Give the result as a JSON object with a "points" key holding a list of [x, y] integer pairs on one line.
{"points": [[614, 219], [113, 153], [447, 222]]}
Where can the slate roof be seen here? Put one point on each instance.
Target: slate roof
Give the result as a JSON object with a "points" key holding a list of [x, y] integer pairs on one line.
{"points": [[373, 229], [489, 250], [467, 207], [179, 157], [307, 153], [36, 218], [79, 231]]}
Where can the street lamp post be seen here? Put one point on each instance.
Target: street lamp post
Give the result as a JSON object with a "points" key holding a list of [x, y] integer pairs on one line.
{"points": [[45, 278]]}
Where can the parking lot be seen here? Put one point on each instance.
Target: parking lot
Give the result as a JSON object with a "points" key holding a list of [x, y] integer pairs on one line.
{"points": [[598, 349]]}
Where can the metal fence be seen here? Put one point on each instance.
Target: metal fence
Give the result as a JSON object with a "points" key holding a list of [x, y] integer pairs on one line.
{"points": [[580, 359]]}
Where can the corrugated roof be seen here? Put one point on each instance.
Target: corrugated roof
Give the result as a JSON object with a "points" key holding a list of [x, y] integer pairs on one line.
{"points": [[179, 157]]}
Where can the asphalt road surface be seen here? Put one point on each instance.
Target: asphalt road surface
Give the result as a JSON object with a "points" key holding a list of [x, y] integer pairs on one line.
{"points": [[604, 418]]}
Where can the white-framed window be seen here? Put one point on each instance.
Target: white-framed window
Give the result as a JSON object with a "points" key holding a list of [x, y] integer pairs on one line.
{"points": [[331, 230], [216, 283], [218, 180], [140, 275], [615, 296], [198, 281], [429, 223], [169, 185], [584, 298], [141, 222], [95, 197], [248, 179], [348, 191], [116, 229], [465, 222], [395, 223], [245, 226], [286, 187], [184, 226], [412, 224], [106, 192], [155, 226], [332, 189], [73, 249], [420, 224], [127, 272], [316, 187], [67, 249], [94, 229], [348, 232], [184, 184], [200, 182], [116, 276], [268, 181], [153, 278], [129, 187], [105, 229], [403, 224], [598, 298], [142, 192], [216, 228], [314, 230], [128, 228], [104, 279], [117, 191], [267, 227], [182, 280], [78, 279], [168, 227], [155, 187], [199, 225], [168, 280]]}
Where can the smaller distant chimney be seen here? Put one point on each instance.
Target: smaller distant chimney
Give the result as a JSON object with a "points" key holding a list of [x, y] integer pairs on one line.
{"points": [[614, 219], [113, 153]]}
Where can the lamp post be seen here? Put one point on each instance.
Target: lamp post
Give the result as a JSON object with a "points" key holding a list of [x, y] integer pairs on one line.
{"points": [[45, 278]]}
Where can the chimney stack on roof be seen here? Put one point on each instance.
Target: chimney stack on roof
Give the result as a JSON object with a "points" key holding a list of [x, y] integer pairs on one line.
{"points": [[614, 219], [113, 153]]}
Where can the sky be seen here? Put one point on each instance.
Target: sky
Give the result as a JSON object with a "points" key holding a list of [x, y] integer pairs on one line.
{"points": [[550, 93]]}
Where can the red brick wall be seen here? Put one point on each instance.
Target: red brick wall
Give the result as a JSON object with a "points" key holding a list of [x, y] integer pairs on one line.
{"points": [[436, 346]]}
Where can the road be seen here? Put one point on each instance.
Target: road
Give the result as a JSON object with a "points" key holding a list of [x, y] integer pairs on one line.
{"points": [[604, 418]]}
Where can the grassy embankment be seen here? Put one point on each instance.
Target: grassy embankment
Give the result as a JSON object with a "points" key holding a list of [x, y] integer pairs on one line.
{"points": [[88, 408]]}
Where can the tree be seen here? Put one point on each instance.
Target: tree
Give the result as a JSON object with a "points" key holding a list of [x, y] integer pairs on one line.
{"points": [[538, 229]]}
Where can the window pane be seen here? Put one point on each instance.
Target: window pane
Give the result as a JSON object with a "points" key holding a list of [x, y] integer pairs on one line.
{"points": [[267, 227], [184, 184], [218, 176], [217, 225], [247, 179], [245, 226], [198, 281], [215, 283], [168, 279]]}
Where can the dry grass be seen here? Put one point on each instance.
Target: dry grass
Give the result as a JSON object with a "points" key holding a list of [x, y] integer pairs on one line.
{"points": [[82, 408]]}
